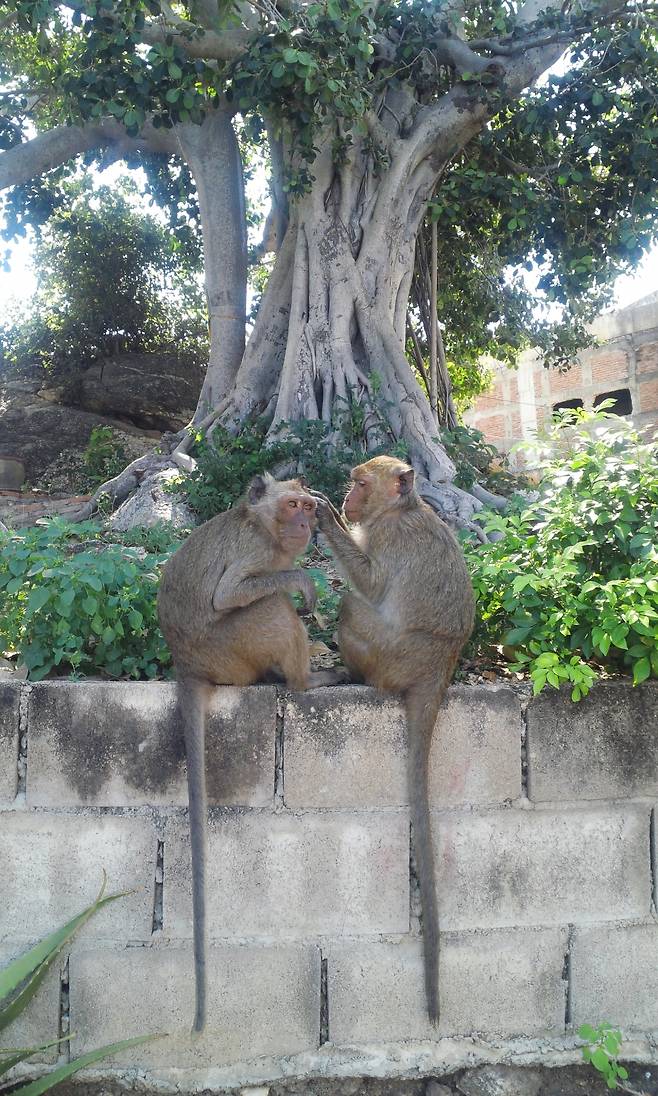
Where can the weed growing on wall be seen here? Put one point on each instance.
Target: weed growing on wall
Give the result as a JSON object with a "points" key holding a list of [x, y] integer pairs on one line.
{"points": [[72, 602], [602, 1052], [572, 583]]}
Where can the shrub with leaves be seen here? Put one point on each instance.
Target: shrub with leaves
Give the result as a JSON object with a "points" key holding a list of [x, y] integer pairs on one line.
{"points": [[72, 600], [572, 583], [104, 456], [226, 462]]}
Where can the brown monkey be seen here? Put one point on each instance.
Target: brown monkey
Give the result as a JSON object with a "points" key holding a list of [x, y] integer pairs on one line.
{"points": [[401, 629], [225, 612]]}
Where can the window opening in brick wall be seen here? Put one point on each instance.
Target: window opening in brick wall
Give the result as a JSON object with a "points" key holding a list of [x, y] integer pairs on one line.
{"points": [[568, 405], [623, 404]]}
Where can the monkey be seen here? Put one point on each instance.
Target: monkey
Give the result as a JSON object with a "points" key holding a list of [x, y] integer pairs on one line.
{"points": [[402, 628], [226, 614]]}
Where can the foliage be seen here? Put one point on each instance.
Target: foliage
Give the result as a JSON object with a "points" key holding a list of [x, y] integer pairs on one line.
{"points": [[111, 279], [20, 980], [476, 460], [226, 462], [562, 180], [74, 598], [602, 1052], [104, 456], [572, 580]]}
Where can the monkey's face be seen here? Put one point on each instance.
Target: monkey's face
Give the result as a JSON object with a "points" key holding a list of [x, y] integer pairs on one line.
{"points": [[296, 519], [356, 500], [375, 486]]}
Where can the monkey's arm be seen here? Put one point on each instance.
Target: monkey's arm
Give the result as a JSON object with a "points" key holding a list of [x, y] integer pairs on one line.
{"points": [[359, 568], [236, 589]]}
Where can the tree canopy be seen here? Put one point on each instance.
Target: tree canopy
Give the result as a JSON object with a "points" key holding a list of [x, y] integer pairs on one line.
{"points": [[111, 278], [376, 119]]}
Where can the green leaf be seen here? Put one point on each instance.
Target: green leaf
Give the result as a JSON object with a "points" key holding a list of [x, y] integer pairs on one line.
{"points": [[586, 1031], [641, 671], [600, 1060], [175, 71], [93, 581], [38, 598], [35, 1088], [21, 968]]}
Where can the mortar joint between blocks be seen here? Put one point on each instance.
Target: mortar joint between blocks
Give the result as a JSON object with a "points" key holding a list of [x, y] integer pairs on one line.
{"points": [[64, 1022], [158, 890], [279, 749], [23, 721], [568, 986], [652, 860], [324, 999]]}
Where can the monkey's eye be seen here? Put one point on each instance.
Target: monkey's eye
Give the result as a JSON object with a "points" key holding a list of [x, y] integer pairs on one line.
{"points": [[361, 483], [309, 506]]}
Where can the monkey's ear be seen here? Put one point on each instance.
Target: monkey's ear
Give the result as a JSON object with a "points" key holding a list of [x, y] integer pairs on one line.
{"points": [[406, 480], [303, 481], [256, 489]]}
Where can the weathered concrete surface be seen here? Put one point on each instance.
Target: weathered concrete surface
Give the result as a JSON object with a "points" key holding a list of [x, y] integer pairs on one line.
{"points": [[261, 1000], [503, 982], [39, 1023], [615, 976], [604, 747], [9, 700], [287, 875], [119, 744], [521, 867], [52, 867], [347, 748]]}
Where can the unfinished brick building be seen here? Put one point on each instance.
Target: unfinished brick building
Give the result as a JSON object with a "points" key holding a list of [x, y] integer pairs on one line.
{"points": [[623, 366]]}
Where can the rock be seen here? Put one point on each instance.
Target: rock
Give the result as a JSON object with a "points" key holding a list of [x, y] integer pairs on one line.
{"points": [[37, 433], [151, 390], [500, 1081], [433, 1088], [151, 503]]}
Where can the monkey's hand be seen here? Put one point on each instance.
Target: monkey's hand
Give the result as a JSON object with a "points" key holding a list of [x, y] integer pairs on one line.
{"points": [[305, 586], [326, 512]]}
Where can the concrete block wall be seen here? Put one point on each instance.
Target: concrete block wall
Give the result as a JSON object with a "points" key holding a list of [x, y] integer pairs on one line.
{"points": [[543, 819]]}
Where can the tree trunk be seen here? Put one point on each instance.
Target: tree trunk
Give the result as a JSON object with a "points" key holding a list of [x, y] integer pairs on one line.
{"points": [[331, 326], [212, 153]]}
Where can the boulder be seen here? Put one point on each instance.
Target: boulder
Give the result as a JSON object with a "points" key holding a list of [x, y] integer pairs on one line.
{"points": [[36, 432], [154, 391], [152, 503]]}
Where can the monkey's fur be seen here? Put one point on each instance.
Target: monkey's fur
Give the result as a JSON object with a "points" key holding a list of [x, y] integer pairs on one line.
{"points": [[225, 612], [401, 629]]}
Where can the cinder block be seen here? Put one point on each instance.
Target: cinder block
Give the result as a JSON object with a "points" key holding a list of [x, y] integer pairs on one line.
{"points": [[502, 982], [347, 748], [261, 1000], [9, 698], [604, 747], [287, 876], [118, 744], [522, 867], [52, 867], [614, 976], [39, 1023]]}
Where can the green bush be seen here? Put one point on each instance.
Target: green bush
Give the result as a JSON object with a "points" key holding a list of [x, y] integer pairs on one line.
{"points": [[572, 580], [477, 461], [76, 599], [227, 462], [104, 456]]}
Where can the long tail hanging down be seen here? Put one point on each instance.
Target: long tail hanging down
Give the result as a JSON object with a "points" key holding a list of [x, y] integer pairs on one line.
{"points": [[422, 705], [192, 701]]}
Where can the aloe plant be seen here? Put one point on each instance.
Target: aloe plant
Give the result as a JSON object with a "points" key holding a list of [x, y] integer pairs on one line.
{"points": [[20, 980]]}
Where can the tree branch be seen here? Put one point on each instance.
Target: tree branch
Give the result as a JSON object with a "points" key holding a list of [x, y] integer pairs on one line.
{"points": [[53, 148], [209, 45]]}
